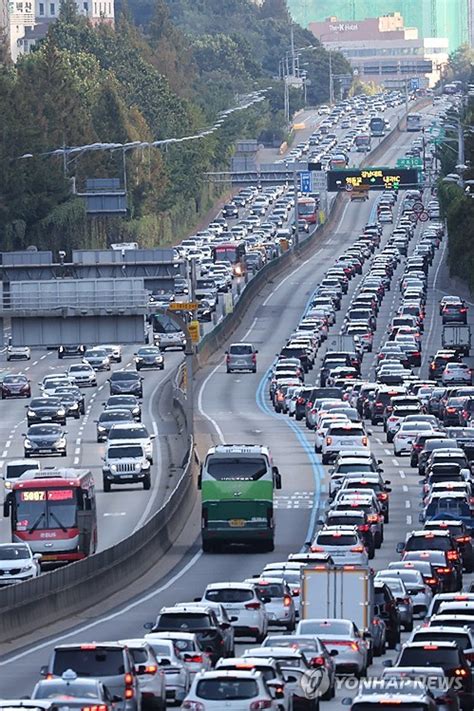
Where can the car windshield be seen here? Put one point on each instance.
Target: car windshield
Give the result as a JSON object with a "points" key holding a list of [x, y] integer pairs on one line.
{"points": [[14, 379], [13, 552], [354, 467], [148, 351], [59, 689], [240, 349], [336, 539], [118, 376], [115, 416], [325, 627], [271, 590], [13, 471], [226, 688], [183, 622], [44, 430], [89, 660], [237, 468], [229, 595], [429, 655], [125, 433]]}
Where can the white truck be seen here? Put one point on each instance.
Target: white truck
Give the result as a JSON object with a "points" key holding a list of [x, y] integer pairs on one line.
{"points": [[345, 592], [341, 342], [457, 337]]}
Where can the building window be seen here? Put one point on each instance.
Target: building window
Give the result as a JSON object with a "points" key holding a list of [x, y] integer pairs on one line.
{"points": [[41, 8], [95, 9], [110, 9], [86, 7], [52, 9]]}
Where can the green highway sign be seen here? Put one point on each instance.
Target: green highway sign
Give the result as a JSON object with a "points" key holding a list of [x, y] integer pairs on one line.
{"points": [[410, 162]]}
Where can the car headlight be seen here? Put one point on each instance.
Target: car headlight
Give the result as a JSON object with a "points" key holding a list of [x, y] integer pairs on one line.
{"points": [[27, 568], [73, 406], [101, 428], [137, 360], [113, 467], [31, 413], [138, 467], [8, 485], [61, 411], [28, 444]]}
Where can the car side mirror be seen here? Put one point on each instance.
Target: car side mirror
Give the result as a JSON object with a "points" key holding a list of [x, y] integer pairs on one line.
{"points": [[44, 670], [140, 669], [387, 481], [265, 599], [400, 547], [116, 699], [148, 625], [333, 653], [388, 663]]}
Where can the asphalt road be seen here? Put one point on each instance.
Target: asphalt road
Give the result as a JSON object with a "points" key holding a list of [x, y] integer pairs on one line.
{"points": [[236, 408], [123, 509]]}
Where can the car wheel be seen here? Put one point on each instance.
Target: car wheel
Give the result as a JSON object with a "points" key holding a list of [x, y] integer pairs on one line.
{"points": [[162, 367], [260, 637], [325, 459], [64, 454], [389, 437], [409, 627], [290, 627], [106, 485], [147, 482], [137, 368], [27, 455], [386, 517], [207, 547], [228, 370]]}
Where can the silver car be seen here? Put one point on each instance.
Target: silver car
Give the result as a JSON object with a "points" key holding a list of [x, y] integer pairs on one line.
{"points": [[187, 647], [420, 593], [177, 675], [278, 601], [343, 637], [241, 356]]}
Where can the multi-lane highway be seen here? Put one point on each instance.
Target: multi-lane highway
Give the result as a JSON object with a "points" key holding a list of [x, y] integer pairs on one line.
{"points": [[236, 408], [123, 510]]}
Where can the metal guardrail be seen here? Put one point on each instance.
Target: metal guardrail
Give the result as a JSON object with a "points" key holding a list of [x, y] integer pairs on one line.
{"points": [[76, 302]]}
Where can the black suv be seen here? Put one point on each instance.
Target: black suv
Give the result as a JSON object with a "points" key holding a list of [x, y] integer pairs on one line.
{"points": [[456, 313], [200, 620], [124, 382], [386, 608]]}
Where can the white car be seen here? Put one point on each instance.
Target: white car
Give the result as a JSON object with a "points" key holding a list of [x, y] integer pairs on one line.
{"points": [[114, 352], [325, 420], [278, 600], [50, 382], [341, 436], [419, 591], [134, 433], [82, 375], [271, 670], [342, 543], [189, 649], [406, 434], [243, 605], [15, 468], [151, 676], [177, 675], [18, 353], [236, 690], [456, 373], [18, 563]]}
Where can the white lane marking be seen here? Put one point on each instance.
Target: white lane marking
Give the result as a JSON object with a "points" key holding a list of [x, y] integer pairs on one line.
{"points": [[200, 407], [409, 520], [378, 440], [107, 618], [43, 356], [77, 451], [249, 330], [76, 460], [434, 309], [402, 474], [115, 513], [407, 504], [396, 462], [405, 488], [387, 451]]}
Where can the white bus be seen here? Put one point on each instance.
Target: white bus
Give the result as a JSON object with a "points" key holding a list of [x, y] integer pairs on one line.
{"points": [[414, 122]]}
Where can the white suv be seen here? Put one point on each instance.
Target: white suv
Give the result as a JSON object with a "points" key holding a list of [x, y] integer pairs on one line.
{"points": [[132, 433], [243, 605], [341, 436], [234, 690]]}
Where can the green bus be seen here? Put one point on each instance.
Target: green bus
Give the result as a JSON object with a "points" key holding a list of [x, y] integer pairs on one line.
{"points": [[237, 482]]}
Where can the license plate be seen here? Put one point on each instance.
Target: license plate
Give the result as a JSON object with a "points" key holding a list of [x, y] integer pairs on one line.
{"points": [[347, 441], [126, 476], [237, 522], [240, 362], [45, 419], [41, 451]]}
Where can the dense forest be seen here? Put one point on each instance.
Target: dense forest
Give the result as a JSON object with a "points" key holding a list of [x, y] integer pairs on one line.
{"points": [[166, 70]]}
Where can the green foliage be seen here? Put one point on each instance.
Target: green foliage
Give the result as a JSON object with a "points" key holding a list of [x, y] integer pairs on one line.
{"points": [[459, 212], [461, 63]]}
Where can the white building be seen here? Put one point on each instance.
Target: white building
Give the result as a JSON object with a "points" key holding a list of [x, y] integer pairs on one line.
{"points": [[29, 19]]}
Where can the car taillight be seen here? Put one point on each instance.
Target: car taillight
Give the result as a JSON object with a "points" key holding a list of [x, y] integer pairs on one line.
{"points": [[382, 496], [280, 396], [261, 704], [465, 539], [195, 659], [365, 441], [430, 581], [129, 693], [95, 707], [316, 549], [450, 409], [328, 440], [318, 661], [287, 601], [364, 527], [373, 518], [462, 311], [227, 358], [300, 400], [433, 366], [443, 571], [254, 358], [452, 555], [252, 606], [357, 549], [151, 669], [460, 672], [128, 679]]}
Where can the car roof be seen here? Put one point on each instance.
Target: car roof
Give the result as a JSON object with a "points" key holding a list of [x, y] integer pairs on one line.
{"points": [[229, 586]]}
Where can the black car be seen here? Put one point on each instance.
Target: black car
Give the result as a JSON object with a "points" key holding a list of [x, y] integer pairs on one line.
{"points": [[202, 621], [45, 439], [149, 357], [125, 402], [70, 394], [124, 382], [386, 608], [71, 351], [460, 534], [230, 210], [46, 409], [108, 419]]}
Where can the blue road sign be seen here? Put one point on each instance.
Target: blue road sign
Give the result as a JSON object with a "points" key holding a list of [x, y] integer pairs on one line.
{"points": [[305, 181], [415, 83]]}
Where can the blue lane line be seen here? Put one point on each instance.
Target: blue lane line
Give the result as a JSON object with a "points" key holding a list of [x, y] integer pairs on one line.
{"points": [[318, 471]]}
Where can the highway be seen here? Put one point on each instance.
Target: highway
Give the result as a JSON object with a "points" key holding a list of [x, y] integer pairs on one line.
{"points": [[123, 509], [235, 408]]}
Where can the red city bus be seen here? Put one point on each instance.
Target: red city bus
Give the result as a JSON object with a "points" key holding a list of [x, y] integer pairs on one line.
{"points": [[233, 252], [54, 511], [308, 209]]}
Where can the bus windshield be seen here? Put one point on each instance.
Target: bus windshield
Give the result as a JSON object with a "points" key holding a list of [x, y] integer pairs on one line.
{"points": [[229, 253], [237, 468], [414, 122], [306, 207], [40, 509]]}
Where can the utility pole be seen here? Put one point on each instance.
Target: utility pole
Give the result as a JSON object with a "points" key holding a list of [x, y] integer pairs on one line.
{"points": [[296, 215], [461, 152], [331, 79]]}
